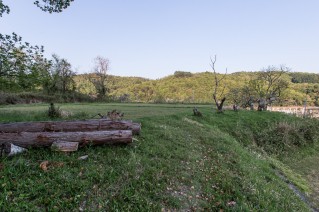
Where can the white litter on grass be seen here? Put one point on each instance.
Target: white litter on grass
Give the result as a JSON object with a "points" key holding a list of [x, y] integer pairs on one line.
{"points": [[193, 122], [84, 157], [16, 150]]}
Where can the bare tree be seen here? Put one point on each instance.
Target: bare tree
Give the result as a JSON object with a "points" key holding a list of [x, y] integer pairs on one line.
{"points": [[99, 76], [218, 94]]}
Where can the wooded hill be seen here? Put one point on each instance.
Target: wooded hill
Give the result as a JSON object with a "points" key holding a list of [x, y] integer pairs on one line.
{"points": [[186, 87]]}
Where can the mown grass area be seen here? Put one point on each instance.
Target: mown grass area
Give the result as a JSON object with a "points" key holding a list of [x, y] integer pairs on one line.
{"points": [[182, 162], [37, 112]]}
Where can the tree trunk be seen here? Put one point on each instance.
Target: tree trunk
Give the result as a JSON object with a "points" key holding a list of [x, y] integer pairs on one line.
{"points": [[45, 139], [262, 105], [219, 105], [70, 126]]}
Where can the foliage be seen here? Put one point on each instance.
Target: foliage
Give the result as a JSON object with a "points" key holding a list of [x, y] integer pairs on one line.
{"points": [[40, 97], [54, 112], [284, 136], [99, 76], [4, 8], [269, 82], [196, 89], [50, 6], [182, 74], [264, 87], [22, 66], [45, 5], [300, 77], [242, 96], [60, 76]]}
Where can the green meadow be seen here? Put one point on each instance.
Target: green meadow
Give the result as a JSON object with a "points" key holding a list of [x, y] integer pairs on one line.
{"points": [[235, 161]]}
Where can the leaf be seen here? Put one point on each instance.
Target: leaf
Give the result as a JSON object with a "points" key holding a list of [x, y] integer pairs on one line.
{"points": [[44, 165]]}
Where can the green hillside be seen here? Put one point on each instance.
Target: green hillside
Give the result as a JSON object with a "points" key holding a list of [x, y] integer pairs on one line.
{"points": [[181, 87], [185, 87]]}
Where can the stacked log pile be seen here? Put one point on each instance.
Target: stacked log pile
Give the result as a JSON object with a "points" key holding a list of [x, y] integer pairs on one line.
{"points": [[59, 134]]}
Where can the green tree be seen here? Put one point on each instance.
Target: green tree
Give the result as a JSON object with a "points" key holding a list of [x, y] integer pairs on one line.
{"points": [[21, 64], [99, 76], [61, 76], [269, 85]]}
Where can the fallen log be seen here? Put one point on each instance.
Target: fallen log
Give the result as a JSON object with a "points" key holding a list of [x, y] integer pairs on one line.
{"points": [[45, 139], [70, 126]]}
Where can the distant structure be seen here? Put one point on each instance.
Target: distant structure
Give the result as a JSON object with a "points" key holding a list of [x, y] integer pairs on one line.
{"points": [[312, 112]]}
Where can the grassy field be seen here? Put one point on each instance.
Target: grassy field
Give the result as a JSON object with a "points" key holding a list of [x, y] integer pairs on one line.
{"points": [[179, 162]]}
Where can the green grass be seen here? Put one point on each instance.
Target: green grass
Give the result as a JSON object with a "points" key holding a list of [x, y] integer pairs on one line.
{"points": [[36, 112], [307, 167], [179, 162]]}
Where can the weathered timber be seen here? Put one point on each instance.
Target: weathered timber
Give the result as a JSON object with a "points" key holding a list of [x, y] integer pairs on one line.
{"points": [[64, 146], [70, 126], [45, 139]]}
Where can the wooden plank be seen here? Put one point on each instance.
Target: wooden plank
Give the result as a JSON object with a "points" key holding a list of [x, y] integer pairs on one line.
{"points": [[64, 146]]}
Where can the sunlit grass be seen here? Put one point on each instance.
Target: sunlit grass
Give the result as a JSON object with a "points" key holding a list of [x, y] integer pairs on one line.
{"points": [[179, 162]]}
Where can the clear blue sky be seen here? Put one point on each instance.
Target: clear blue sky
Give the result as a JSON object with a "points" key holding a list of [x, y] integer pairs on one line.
{"points": [[154, 38]]}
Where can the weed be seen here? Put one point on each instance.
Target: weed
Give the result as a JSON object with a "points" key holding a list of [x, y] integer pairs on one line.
{"points": [[54, 112]]}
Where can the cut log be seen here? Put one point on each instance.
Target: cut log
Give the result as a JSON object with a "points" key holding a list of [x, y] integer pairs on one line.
{"points": [[45, 139], [64, 146], [70, 126]]}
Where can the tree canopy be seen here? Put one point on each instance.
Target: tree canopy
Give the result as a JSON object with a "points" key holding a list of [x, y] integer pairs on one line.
{"points": [[22, 65]]}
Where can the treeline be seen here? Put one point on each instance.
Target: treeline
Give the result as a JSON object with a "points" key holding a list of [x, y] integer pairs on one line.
{"points": [[299, 77], [27, 76]]}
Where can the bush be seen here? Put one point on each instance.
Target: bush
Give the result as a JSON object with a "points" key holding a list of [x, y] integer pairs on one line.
{"points": [[54, 112], [38, 97], [284, 136], [9, 98], [180, 74]]}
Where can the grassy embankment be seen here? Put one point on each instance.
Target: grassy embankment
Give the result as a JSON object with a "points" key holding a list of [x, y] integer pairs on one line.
{"points": [[218, 161]]}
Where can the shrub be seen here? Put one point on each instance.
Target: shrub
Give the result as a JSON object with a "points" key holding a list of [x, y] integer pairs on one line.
{"points": [[284, 136], [54, 112]]}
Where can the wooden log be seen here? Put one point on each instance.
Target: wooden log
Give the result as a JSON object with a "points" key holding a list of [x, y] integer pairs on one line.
{"points": [[70, 126], [45, 139], [64, 146]]}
